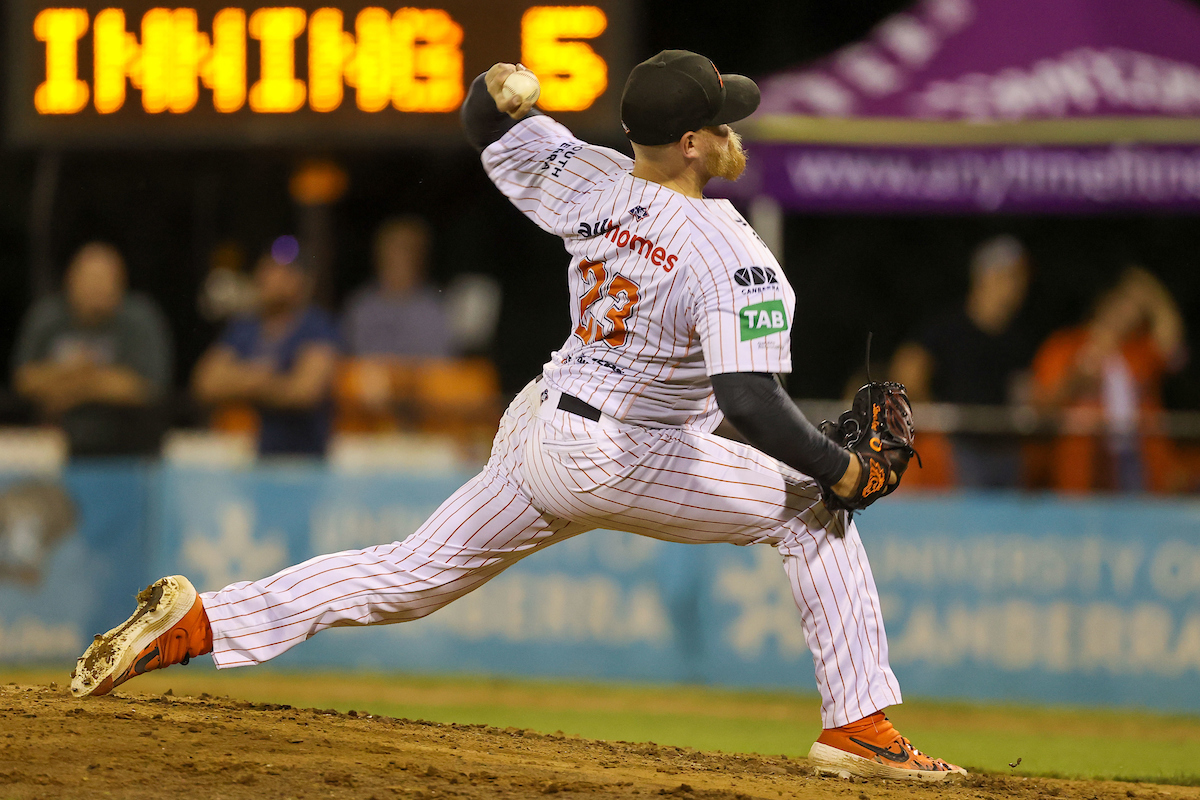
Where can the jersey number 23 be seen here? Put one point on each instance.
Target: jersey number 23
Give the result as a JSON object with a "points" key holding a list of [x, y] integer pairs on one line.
{"points": [[605, 307]]}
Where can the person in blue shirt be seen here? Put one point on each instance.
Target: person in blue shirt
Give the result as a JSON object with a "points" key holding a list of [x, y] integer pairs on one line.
{"points": [[280, 359]]}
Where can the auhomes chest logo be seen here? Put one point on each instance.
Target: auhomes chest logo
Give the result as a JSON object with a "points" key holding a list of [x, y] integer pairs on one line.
{"points": [[763, 319]]}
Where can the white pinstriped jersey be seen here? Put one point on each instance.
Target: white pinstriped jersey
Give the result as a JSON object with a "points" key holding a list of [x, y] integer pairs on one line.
{"points": [[666, 289]]}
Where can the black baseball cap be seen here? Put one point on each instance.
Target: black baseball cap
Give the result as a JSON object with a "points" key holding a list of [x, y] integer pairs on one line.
{"points": [[678, 91]]}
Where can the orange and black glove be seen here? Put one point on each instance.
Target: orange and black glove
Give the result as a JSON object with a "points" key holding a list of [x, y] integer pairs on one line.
{"points": [[878, 430]]}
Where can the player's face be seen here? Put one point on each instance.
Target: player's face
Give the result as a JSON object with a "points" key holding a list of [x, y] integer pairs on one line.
{"points": [[725, 157]]}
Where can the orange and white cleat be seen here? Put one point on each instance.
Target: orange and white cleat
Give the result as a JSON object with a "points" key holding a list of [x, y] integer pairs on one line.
{"points": [[872, 748], [168, 627]]}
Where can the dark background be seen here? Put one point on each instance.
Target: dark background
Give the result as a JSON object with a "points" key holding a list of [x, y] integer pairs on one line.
{"points": [[166, 209]]}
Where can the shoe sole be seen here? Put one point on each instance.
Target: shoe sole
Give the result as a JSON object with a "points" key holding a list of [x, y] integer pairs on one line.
{"points": [[160, 606], [827, 760]]}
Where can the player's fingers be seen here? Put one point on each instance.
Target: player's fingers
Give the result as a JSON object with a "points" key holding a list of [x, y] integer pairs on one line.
{"points": [[499, 71], [521, 107], [512, 106], [495, 78]]}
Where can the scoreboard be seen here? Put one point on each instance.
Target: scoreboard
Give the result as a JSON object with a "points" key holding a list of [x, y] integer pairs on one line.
{"points": [[212, 74]]}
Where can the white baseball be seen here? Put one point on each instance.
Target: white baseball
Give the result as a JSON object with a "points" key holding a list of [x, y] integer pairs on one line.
{"points": [[523, 84]]}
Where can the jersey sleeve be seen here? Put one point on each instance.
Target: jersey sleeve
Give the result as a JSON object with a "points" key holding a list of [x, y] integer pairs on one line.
{"points": [[543, 169], [743, 325]]}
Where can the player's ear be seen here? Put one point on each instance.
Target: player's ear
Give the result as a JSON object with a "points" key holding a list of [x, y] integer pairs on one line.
{"points": [[689, 145]]}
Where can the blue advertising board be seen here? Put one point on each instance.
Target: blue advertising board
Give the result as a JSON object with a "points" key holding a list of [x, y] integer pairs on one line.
{"points": [[72, 557], [1084, 601], [997, 597]]}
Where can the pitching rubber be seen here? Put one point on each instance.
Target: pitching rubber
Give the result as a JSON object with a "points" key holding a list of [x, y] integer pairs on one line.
{"points": [[826, 760], [160, 605]]}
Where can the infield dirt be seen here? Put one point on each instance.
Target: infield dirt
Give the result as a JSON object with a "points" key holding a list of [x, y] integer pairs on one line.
{"points": [[157, 746]]}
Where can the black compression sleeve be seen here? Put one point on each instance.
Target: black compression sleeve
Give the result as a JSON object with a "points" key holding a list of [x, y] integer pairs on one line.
{"points": [[482, 121], [761, 410]]}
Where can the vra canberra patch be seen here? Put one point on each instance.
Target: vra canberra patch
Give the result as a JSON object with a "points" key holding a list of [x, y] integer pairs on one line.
{"points": [[763, 319]]}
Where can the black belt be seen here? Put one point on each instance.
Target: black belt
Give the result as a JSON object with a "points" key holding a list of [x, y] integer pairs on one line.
{"points": [[573, 405]]}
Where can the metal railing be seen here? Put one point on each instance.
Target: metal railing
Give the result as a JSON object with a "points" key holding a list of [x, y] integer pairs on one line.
{"points": [[1017, 420]]}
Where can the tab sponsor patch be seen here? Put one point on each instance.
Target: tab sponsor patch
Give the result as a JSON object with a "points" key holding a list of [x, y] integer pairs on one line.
{"points": [[763, 319]]}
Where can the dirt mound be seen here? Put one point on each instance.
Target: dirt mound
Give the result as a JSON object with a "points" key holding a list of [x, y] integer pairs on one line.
{"points": [[145, 746]]}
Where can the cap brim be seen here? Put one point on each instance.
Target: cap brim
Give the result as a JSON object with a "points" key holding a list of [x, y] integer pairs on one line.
{"points": [[741, 99]]}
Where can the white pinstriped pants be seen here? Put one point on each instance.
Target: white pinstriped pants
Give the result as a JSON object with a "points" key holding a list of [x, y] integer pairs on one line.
{"points": [[553, 475]]}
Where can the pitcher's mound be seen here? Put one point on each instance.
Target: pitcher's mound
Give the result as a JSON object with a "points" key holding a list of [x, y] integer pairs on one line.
{"points": [[130, 745]]}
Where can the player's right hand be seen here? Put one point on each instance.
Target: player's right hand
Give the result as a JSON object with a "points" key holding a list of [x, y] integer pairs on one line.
{"points": [[515, 107]]}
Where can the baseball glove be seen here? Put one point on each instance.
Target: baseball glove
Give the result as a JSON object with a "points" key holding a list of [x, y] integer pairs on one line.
{"points": [[878, 430]]}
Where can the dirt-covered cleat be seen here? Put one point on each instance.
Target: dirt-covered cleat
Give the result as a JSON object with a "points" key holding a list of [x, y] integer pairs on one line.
{"points": [[168, 627], [872, 748]]}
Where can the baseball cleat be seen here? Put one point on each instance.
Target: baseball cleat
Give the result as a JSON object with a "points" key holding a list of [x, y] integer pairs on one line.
{"points": [[872, 748], [168, 627]]}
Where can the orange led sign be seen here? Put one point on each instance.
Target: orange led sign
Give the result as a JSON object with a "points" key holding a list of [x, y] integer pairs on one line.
{"points": [[118, 69], [553, 45]]}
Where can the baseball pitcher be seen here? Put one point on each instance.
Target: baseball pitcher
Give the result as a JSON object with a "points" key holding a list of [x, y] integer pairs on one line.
{"points": [[680, 319]]}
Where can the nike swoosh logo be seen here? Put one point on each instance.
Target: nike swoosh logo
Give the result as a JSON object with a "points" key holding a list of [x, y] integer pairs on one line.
{"points": [[143, 664], [899, 758]]}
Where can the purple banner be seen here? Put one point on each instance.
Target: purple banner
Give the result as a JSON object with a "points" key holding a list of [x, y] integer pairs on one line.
{"points": [[1007, 60], [972, 180]]}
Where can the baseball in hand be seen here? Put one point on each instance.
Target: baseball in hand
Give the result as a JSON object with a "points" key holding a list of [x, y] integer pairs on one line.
{"points": [[523, 84]]}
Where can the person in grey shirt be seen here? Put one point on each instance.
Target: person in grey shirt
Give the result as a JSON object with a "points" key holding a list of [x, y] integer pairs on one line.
{"points": [[96, 359], [402, 314]]}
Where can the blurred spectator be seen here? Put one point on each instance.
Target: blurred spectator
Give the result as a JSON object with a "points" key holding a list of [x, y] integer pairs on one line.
{"points": [[96, 360], [1107, 375], [227, 291], [401, 314], [975, 355], [280, 360]]}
